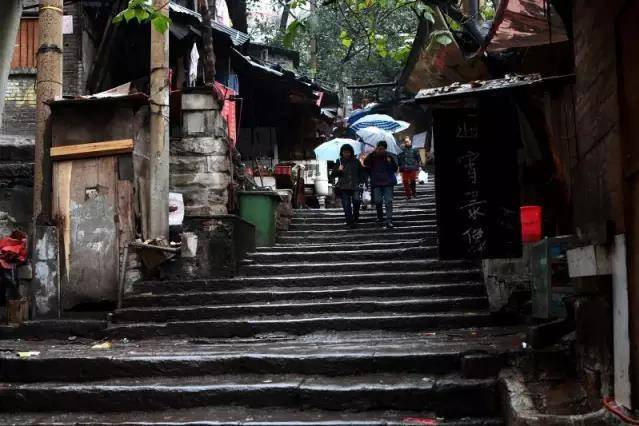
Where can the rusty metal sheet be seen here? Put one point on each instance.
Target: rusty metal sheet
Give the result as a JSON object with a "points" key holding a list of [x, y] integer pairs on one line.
{"points": [[525, 23]]}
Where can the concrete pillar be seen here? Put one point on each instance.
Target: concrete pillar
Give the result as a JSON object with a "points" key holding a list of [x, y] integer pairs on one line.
{"points": [[9, 23], [200, 163]]}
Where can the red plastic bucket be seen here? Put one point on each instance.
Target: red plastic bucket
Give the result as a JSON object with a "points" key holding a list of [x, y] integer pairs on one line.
{"points": [[530, 223], [283, 170]]}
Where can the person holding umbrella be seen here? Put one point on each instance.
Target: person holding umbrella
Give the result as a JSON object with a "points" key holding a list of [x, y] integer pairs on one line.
{"points": [[350, 174], [409, 164], [382, 166]]}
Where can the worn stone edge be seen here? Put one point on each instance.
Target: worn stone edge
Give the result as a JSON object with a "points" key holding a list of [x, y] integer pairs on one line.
{"points": [[519, 408]]}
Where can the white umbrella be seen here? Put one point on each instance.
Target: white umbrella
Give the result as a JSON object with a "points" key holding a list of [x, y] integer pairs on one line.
{"points": [[372, 135], [329, 151], [381, 121]]}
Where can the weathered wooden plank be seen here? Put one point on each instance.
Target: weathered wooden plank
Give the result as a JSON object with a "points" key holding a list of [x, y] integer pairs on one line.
{"points": [[24, 42], [86, 204], [93, 149], [126, 216]]}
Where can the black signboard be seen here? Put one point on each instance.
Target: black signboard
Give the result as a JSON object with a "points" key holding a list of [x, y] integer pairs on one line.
{"points": [[476, 180]]}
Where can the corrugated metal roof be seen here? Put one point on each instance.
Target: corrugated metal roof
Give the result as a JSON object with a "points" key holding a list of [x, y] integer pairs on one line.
{"points": [[134, 98], [238, 38], [477, 87]]}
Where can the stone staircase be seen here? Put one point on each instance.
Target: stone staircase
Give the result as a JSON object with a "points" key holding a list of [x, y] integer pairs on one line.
{"points": [[331, 326]]}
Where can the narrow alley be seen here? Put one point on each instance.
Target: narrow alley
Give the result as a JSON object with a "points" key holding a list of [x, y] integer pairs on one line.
{"points": [[323, 328], [319, 212]]}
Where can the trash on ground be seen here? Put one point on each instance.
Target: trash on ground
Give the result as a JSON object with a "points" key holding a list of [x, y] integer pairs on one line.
{"points": [[419, 421], [28, 354]]}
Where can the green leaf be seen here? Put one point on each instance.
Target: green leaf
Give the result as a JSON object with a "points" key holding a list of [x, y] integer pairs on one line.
{"points": [[160, 23], [291, 32], [128, 14], [141, 15], [345, 39], [429, 17], [444, 39]]}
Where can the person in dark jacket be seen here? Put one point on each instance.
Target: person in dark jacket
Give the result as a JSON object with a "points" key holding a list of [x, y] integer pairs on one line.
{"points": [[382, 167], [350, 174], [409, 164]]}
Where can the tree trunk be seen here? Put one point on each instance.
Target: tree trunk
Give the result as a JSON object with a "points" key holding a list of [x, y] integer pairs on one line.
{"points": [[9, 23], [237, 11], [206, 7], [158, 206], [284, 18], [48, 86]]}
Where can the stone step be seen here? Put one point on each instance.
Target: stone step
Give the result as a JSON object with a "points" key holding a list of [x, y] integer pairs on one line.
{"points": [[441, 394], [278, 294], [299, 307], [275, 257], [246, 416], [361, 236], [302, 324], [370, 212], [349, 265], [323, 352], [341, 360], [343, 246], [398, 204], [338, 222], [308, 280], [375, 228]]}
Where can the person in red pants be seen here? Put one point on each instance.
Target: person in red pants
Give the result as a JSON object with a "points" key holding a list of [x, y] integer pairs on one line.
{"points": [[409, 164]]}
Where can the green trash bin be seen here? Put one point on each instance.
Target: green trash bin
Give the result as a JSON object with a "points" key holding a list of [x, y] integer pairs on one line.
{"points": [[258, 208]]}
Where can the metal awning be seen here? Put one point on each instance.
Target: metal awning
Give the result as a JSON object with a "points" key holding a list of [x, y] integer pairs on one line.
{"points": [[238, 38], [480, 87]]}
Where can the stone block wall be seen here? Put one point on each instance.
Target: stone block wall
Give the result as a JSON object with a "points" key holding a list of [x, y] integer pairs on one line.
{"points": [[505, 278], [199, 162], [16, 177]]}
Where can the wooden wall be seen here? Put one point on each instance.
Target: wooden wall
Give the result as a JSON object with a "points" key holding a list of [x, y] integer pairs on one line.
{"points": [[26, 47], [598, 204], [97, 203]]}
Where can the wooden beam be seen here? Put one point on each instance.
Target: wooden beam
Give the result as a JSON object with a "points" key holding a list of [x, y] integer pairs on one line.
{"points": [[372, 85], [93, 149]]}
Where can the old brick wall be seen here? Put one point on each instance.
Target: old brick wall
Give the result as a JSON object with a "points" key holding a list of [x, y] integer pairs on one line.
{"points": [[19, 117], [73, 73], [598, 204], [20, 101]]}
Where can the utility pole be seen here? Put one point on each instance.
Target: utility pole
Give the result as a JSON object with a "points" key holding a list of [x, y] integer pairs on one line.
{"points": [[158, 207], [9, 23], [48, 86]]}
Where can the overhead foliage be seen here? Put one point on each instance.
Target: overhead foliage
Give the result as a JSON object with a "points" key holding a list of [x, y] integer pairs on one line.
{"points": [[357, 41], [144, 11]]}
